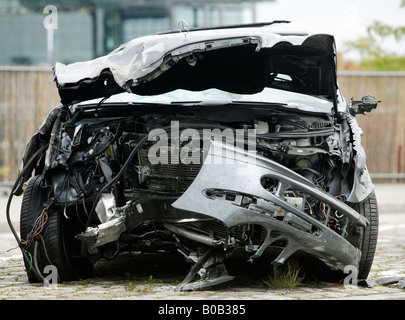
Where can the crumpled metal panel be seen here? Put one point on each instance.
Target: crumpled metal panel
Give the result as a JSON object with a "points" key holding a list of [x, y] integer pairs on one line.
{"points": [[38, 140], [144, 59], [105, 232], [363, 184], [233, 170], [139, 57]]}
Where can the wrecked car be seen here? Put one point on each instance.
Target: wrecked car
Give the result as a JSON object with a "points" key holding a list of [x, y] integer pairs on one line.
{"points": [[200, 142]]}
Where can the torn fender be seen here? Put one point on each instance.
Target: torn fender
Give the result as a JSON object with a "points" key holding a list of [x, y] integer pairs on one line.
{"points": [[362, 183], [44, 135]]}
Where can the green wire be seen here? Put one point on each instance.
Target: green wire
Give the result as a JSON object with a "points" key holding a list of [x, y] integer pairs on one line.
{"points": [[30, 259], [346, 234]]}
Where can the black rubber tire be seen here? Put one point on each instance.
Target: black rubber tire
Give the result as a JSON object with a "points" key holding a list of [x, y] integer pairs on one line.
{"points": [[63, 249], [59, 247], [31, 208], [365, 239]]}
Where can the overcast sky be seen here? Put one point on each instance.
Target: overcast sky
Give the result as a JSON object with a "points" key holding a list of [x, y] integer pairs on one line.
{"points": [[345, 19]]}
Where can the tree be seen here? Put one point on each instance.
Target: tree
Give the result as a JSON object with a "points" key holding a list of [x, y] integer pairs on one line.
{"points": [[373, 55]]}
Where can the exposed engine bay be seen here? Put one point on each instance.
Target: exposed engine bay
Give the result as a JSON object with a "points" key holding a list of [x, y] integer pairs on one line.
{"points": [[99, 171]]}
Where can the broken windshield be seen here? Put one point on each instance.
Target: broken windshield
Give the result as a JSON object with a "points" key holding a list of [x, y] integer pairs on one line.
{"points": [[215, 96]]}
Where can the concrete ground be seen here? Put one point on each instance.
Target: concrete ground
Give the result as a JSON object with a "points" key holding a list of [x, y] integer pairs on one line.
{"points": [[119, 281]]}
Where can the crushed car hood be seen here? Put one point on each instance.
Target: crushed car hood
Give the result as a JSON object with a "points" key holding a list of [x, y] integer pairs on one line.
{"points": [[240, 60]]}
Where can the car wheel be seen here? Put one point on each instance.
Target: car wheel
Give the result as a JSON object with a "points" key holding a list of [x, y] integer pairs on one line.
{"points": [[56, 244], [31, 209], [365, 239]]}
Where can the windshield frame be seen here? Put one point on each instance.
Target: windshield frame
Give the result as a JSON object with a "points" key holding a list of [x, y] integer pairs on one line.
{"points": [[269, 96]]}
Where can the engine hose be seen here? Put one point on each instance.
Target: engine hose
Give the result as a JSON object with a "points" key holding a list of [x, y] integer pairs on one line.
{"points": [[120, 173], [21, 245], [118, 176], [44, 247], [35, 264]]}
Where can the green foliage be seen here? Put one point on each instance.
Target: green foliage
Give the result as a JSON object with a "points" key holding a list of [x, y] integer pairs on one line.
{"points": [[284, 277], [374, 55], [386, 63]]}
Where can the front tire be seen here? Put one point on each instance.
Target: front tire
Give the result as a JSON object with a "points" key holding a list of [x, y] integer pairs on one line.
{"points": [[56, 244], [31, 208], [365, 239]]}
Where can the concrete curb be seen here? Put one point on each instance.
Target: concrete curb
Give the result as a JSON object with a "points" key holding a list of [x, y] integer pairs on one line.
{"points": [[390, 198]]}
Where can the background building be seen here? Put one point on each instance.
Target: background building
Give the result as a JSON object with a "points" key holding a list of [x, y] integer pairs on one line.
{"points": [[90, 28]]}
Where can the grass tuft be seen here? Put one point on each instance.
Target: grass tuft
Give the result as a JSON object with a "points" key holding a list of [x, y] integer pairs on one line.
{"points": [[284, 277]]}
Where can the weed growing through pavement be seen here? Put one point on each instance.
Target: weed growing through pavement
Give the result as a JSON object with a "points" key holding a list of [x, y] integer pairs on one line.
{"points": [[284, 277]]}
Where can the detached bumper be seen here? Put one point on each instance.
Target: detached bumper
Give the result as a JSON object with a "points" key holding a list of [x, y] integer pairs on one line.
{"points": [[228, 170]]}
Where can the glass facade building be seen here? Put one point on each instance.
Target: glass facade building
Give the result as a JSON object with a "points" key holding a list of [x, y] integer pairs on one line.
{"points": [[87, 28]]}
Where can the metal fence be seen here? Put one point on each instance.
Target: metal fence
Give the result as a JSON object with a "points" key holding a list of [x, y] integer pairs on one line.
{"points": [[27, 94]]}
